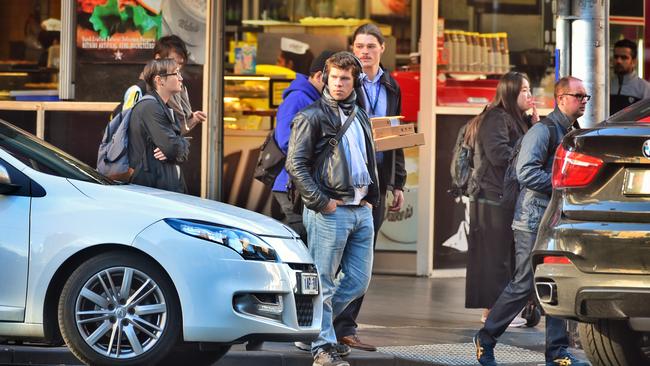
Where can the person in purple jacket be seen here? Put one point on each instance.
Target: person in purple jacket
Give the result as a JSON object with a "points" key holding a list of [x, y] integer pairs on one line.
{"points": [[303, 91]]}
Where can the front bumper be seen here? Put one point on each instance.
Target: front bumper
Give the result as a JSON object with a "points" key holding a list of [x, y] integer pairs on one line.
{"points": [[591, 296], [211, 281]]}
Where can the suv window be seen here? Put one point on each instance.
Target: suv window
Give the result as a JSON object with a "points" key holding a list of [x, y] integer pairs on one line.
{"points": [[633, 113], [45, 158]]}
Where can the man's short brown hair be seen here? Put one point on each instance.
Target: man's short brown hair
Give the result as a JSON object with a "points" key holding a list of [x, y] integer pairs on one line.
{"points": [[563, 85], [344, 60]]}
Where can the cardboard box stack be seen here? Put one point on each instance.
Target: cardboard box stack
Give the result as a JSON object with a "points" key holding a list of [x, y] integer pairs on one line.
{"points": [[390, 134]]}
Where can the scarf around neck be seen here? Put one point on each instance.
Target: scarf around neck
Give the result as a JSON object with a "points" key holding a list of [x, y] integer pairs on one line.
{"points": [[346, 105]]}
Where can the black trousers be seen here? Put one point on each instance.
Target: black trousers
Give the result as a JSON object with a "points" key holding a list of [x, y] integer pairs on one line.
{"points": [[345, 324]]}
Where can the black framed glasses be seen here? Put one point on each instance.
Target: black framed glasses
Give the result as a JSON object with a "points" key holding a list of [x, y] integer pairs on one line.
{"points": [[584, 97], [176, 73]]}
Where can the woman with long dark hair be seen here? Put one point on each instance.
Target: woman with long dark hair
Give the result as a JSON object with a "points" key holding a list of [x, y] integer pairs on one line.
{"points": [[493, 134]]}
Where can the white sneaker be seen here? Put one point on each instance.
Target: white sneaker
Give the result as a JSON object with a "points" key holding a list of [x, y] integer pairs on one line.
{"points": [[518, 322]]}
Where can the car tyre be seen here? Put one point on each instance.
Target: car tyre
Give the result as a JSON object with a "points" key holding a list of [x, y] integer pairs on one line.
{"points": [[613, 343], [191, 351], [104, 325]]}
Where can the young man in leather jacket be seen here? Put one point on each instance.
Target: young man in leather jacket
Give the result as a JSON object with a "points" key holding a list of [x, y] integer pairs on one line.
{"points": [[338, 190], [379, 95]]}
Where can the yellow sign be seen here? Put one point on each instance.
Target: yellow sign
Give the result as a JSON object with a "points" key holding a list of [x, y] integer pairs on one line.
{"points": [[278, 89]]}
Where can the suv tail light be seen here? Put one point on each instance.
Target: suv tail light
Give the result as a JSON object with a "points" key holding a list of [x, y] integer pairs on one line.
{"points": [[573, 169], [556, 259]]}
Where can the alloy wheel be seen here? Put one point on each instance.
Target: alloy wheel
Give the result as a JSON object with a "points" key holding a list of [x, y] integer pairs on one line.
{"points": [[121, 312]]}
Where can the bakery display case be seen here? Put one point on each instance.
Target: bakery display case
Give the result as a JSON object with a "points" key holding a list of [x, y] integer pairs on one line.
{"points": [[251, 101]]}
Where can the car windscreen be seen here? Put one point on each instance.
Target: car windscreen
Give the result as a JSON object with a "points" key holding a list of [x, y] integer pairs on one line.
{"points": [[45, 158], [637, 112]]}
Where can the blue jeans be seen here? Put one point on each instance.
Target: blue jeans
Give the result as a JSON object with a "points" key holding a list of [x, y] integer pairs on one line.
{"points": [[343, 238], [516, 295]]}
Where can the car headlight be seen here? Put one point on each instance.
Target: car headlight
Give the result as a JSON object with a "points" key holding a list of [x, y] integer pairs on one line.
{"points": [[246, 244]]}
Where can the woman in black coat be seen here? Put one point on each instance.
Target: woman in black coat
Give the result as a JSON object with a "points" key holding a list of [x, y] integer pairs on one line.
{"points": [[493, 135], [156, 147]]}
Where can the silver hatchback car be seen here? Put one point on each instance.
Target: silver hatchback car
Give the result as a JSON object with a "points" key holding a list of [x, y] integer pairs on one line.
{"points": [[129, 275]]}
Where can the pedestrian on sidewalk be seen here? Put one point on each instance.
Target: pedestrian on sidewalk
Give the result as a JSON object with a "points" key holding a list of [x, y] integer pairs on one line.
{"points": [[533, 167], [493, 135], [379, 95], [156, 146], [302, 92], [331, 161]]}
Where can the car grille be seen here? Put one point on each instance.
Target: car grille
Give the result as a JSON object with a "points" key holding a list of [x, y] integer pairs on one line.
{"points": [[304, 303], [305, 309], [304, 267]]}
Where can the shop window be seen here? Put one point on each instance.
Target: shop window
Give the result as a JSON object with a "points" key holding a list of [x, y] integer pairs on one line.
{"points": [[30, 34], [480, 40]]}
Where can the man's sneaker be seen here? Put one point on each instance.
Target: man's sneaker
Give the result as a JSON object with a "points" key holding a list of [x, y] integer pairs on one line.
{"points": [[328, 357], [342, 349], [484, 352], [567, 359]]}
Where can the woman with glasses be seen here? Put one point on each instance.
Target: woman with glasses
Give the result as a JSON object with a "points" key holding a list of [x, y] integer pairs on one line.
{"points": [[156, 146], [493, 134]]}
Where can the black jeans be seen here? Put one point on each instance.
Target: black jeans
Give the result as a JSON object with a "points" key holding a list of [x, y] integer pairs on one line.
{"points": [[291, 219], [345, 323], [515, 296]]}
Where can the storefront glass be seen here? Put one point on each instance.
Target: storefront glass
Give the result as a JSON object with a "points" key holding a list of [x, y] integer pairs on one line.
{"points": [[29, 49]]}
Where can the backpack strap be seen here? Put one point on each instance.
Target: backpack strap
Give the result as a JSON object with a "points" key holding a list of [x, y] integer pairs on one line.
{"points": [[553, 139], [334, 141]]}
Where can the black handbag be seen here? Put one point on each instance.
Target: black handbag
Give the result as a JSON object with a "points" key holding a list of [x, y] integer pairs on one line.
{"points": [[270, 161]]}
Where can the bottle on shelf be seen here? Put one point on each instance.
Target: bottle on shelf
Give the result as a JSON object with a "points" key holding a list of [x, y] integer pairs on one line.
{"points": [[505, 52], [462, 45]]}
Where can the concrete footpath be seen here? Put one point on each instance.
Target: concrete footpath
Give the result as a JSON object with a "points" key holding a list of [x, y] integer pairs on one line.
{"points": [[413, 321]]}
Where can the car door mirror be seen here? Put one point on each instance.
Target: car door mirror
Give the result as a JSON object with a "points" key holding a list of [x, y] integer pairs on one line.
{"points": [[6, 187]]}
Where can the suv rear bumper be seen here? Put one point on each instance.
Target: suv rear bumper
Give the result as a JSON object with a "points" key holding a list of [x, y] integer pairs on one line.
{"points": [[591, 296]]}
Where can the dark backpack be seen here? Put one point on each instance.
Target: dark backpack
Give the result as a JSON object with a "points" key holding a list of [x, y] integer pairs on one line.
{"points": [[511, 186], [462, 164], [270, 161], [465, 174], [113, 153]]}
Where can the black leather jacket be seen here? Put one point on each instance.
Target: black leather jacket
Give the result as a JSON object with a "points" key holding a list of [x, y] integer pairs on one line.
{"points": [[312, 128]]}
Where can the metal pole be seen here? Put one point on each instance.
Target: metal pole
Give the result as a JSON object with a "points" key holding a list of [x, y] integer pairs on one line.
{"points": [[589, 42], [563, 39], [212, 138], [68, 46]]}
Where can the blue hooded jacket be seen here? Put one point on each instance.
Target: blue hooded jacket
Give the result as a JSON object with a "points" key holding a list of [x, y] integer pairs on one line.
{"points": [[297, 96]]}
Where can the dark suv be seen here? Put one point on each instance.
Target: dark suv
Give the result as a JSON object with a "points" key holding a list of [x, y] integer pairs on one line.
{"points": [[592, 255]]}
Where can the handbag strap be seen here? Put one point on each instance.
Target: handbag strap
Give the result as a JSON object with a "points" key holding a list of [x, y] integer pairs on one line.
{"points": [[334, 141]]}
